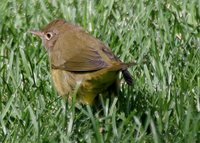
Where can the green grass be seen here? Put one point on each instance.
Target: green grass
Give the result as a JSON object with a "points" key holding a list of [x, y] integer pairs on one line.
{"points": [[163, 105]]}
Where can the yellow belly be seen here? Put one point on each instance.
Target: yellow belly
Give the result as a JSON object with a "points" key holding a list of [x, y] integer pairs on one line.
{"points": [[89, 84]]}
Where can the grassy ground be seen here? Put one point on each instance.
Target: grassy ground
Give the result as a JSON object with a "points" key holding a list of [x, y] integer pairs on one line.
{"points": [[163, 105]]}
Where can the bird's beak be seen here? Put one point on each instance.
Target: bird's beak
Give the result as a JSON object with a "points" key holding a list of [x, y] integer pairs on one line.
{"points": [[37, 33]]}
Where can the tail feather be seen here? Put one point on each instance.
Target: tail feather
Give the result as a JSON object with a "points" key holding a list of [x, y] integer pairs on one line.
{"points": [[131, 64], [127, 76]]}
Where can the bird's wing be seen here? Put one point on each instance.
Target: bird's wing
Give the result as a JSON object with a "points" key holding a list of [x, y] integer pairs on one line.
{"points": [[80, 53], [86, 60]]}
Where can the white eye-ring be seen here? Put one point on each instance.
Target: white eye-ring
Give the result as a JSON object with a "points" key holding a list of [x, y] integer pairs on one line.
{"points": [[48, 35]]}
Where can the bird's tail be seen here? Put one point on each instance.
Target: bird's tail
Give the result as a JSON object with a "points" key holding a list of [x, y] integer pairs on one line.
{"points": [[127, 76], [123, 68]]}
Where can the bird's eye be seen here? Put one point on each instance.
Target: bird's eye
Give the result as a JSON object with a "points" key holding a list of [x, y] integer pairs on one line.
{"points": [[48, 35]]}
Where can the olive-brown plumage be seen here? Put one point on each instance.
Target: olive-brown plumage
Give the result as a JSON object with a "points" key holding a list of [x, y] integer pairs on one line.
{"points": [[78, 60]]}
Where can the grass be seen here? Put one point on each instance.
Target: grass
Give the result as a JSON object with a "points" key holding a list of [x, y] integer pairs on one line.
{"points": [[163, 105]]}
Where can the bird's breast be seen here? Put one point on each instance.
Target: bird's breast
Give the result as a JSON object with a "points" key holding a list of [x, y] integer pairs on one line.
{"points": [[64, 81], [89, 84]]}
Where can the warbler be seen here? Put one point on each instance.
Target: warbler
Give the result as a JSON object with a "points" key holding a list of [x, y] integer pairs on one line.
{"points": [[80, 62]]}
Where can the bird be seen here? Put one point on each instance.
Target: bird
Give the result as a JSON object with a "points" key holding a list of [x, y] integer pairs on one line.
{"points": [[80, 64]]}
